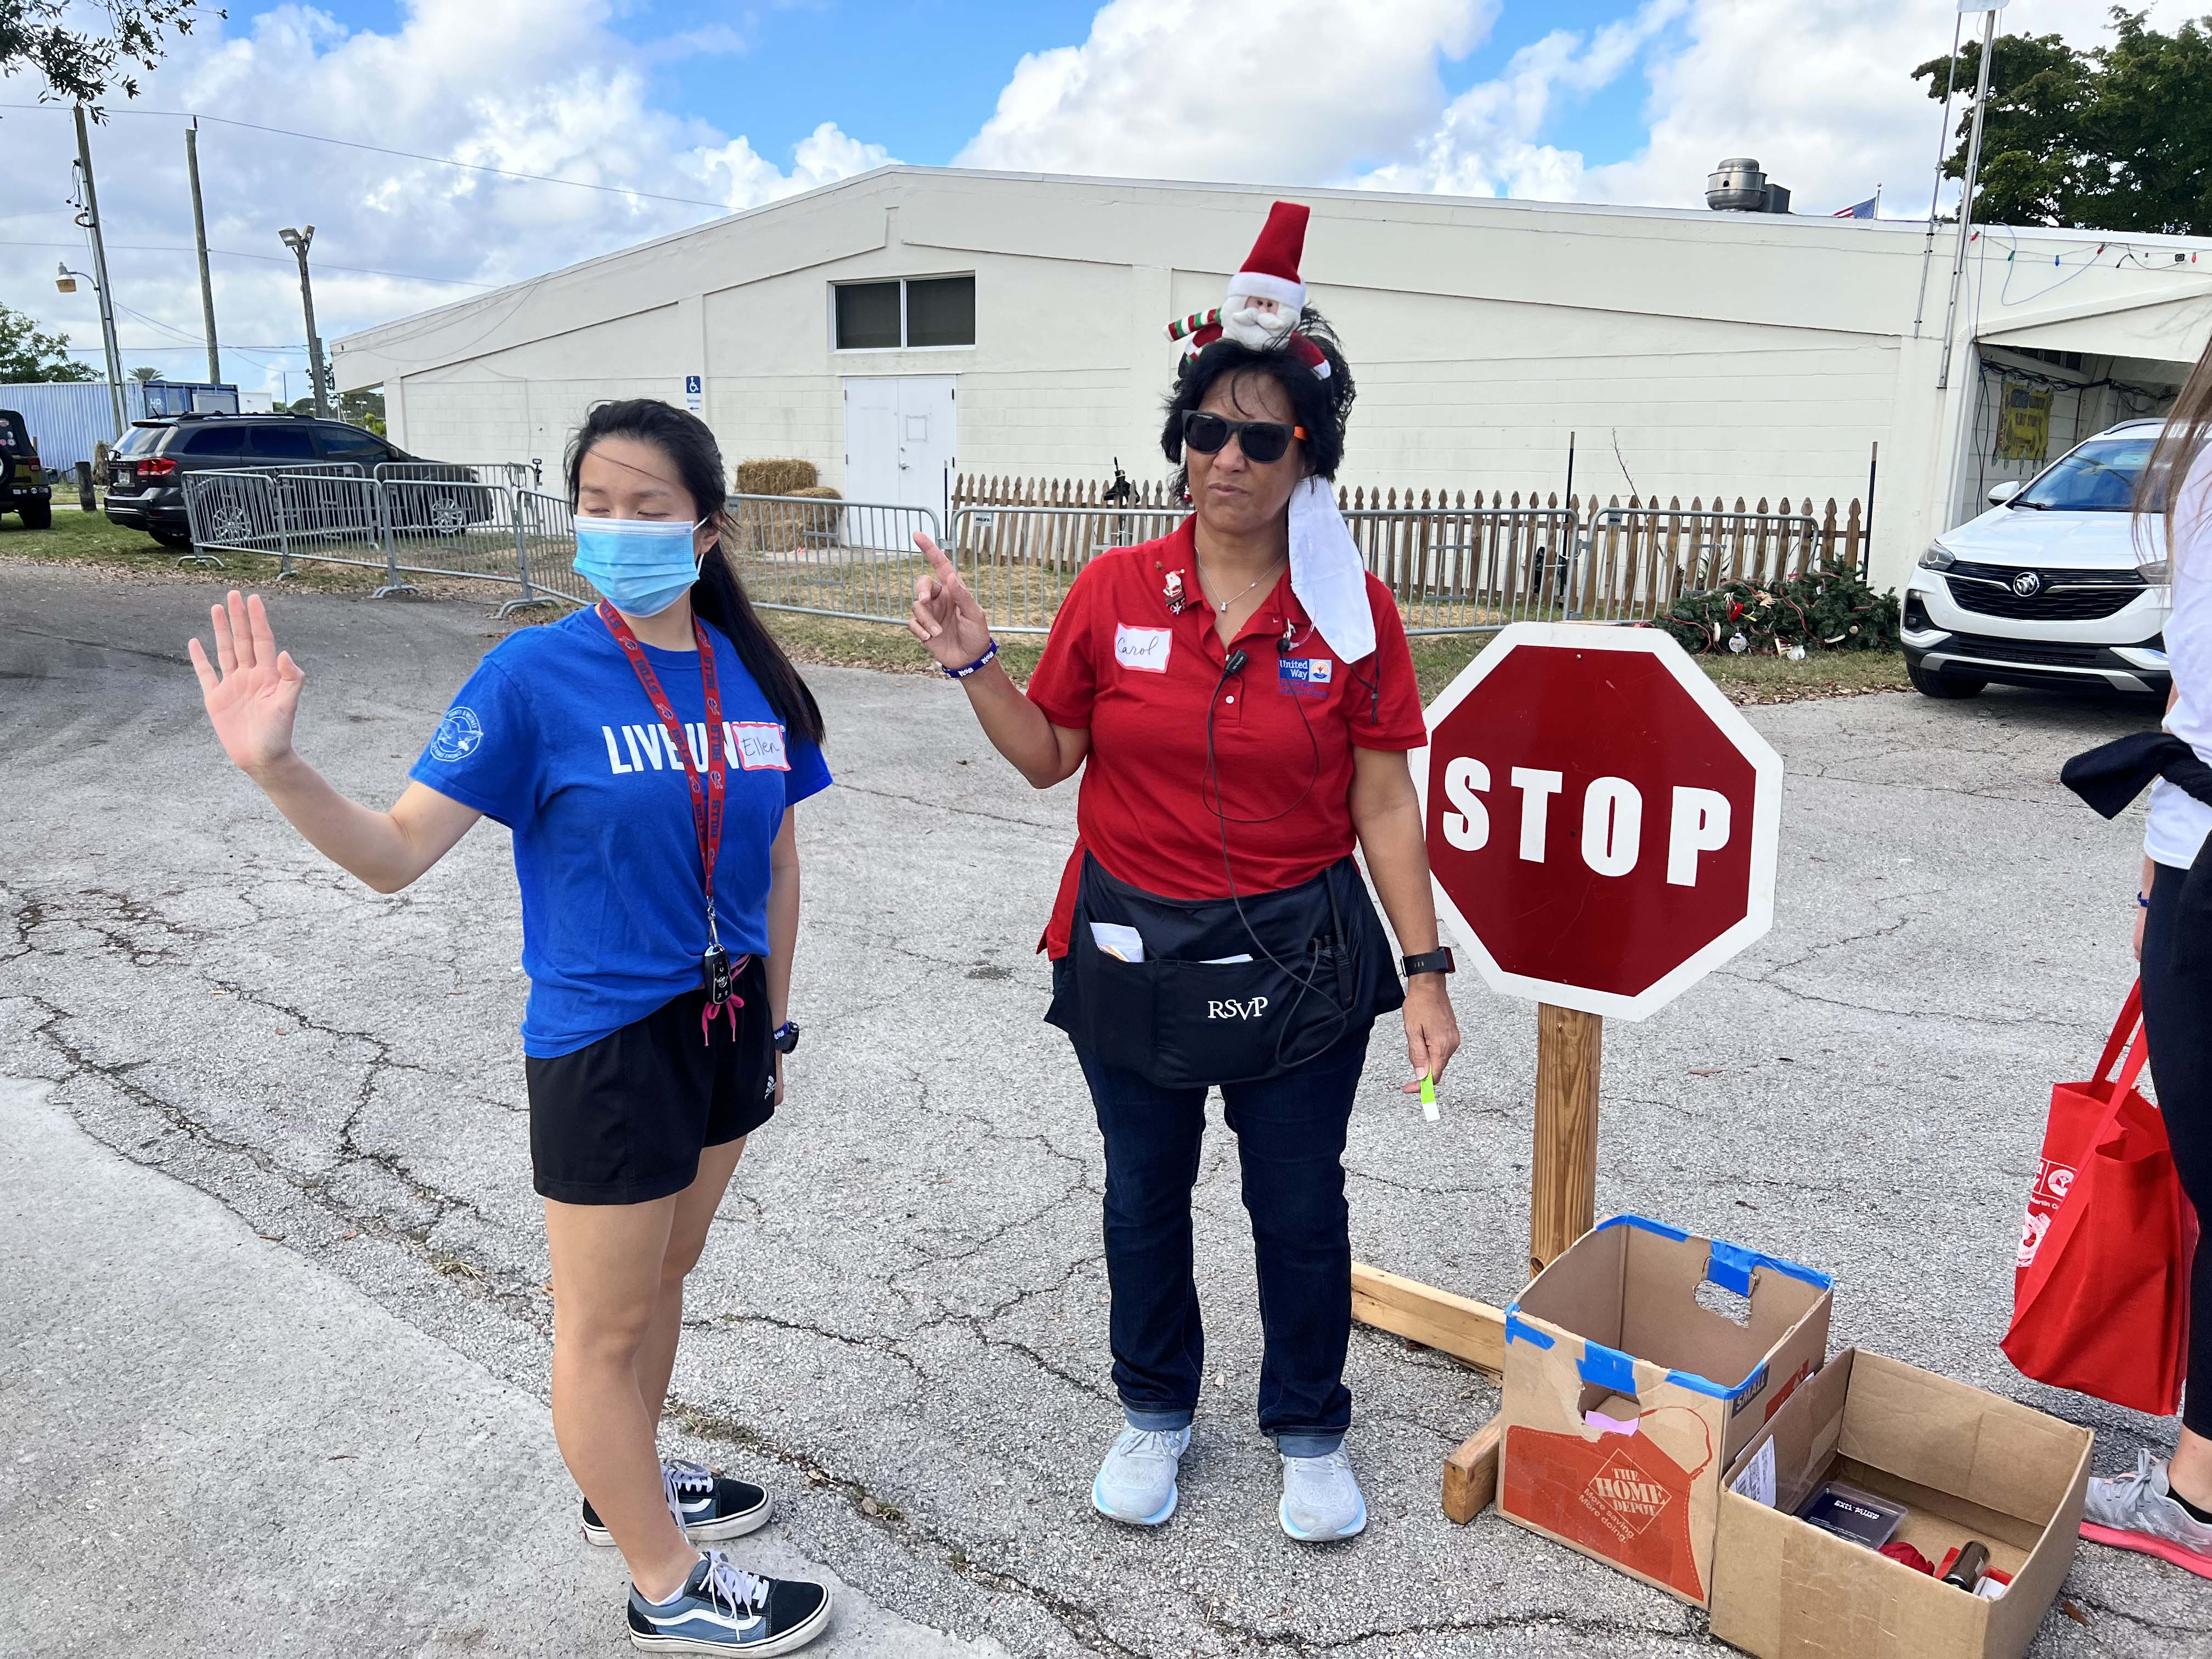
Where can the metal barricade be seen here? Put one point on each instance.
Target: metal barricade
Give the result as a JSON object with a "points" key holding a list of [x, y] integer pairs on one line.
{"points": [[515, 475], [1633, 562], [1020, 562], [325, 512], [546, 549], [1470, 569], [825, 558]]}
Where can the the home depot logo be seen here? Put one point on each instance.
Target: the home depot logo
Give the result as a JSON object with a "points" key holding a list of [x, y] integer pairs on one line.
{"points": [[2052, 1182], [1624, 1499]]}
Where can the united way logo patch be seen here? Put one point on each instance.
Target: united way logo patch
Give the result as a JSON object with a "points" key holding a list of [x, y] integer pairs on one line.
{"points": [[1304, 676], [460, 734]]}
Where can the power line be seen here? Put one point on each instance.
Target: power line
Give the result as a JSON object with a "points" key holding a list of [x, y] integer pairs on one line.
{"points": [[411, 155], [271, 258]]}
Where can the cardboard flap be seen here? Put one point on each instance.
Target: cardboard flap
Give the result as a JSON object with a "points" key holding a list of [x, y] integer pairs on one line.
{"points": [[1990, 1451]]}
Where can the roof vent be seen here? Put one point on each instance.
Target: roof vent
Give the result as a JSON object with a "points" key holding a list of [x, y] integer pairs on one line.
{"points": [[1738, 187]]}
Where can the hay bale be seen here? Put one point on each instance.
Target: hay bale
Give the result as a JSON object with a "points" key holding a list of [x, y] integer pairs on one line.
{"points": [[774, 527], [777, 477]]}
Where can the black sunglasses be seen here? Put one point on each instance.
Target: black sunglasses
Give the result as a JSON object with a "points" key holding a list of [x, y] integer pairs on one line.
{"points": [[1262, 442]]}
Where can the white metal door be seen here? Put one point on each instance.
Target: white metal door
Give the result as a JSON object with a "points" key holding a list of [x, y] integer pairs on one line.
{"points": [[901, 439]]}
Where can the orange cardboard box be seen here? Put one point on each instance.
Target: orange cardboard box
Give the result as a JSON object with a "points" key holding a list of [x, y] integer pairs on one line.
{"points": [[1626, 1397], [1965, 1464]]}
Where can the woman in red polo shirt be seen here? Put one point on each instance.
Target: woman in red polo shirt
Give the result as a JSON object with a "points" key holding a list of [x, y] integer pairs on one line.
{"points": [[1240, 698]]}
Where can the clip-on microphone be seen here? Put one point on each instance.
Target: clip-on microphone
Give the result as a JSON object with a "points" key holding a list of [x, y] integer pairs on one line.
{"points": [[1235, 663]]}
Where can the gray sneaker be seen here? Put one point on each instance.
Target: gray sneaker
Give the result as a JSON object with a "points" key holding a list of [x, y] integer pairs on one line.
{"points": [[2137, 1512], [1136, 1483], [1321, 1499]]}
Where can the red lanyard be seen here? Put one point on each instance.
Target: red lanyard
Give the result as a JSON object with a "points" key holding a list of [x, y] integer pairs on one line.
{"points": [[706, 800]]}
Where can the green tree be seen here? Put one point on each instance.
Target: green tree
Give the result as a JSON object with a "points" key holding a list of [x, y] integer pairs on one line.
{"points": [[145, 373], [80, 64], [2117, 138], [27, 354]]}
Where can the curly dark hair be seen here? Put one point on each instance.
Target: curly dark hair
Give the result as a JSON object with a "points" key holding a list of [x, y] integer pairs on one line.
{"points": [[1321, 404]]}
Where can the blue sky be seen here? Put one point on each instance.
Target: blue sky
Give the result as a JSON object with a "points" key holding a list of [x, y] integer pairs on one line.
{"points": [[1609, 100], [920, 76]]}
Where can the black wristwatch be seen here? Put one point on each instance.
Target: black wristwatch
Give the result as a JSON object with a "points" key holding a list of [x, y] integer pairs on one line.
{"points": [[1438, 961], [785, 1038]]}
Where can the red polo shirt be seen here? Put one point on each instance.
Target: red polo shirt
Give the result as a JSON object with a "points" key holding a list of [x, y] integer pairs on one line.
{"points": [[1140, 675]]}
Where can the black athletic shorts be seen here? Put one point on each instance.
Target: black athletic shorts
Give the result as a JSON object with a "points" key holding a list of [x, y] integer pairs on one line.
{"points": [[623, 1120]]}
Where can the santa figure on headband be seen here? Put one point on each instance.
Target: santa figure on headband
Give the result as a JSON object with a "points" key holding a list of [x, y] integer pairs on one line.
{"points": [[1265, 299]]}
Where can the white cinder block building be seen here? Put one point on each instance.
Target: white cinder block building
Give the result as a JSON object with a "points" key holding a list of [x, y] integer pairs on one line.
{"points": [[912, 322]]}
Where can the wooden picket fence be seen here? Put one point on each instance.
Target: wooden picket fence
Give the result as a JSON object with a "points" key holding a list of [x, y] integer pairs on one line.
{"points": [[1457, 562]]}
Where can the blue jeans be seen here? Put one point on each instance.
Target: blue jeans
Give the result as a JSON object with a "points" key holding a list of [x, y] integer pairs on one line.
{"points": [[1290, 1139]]}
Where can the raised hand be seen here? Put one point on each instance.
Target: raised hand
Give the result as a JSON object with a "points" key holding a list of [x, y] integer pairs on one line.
{"points": [[251, 704], [946, 617]]}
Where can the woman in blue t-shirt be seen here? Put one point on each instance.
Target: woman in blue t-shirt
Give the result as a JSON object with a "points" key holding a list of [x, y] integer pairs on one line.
{"points": [[630, 749]]}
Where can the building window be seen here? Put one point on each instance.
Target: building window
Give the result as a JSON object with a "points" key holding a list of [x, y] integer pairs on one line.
{"points": [[916, 313]]}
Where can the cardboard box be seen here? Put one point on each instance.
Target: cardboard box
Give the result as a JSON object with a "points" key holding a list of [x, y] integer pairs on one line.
{"points": [[1966, 1463], [1613, 1328]]}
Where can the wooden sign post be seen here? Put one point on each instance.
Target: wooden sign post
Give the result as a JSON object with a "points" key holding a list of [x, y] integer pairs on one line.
{"points": [[1602, 827], [1563, 1174]]}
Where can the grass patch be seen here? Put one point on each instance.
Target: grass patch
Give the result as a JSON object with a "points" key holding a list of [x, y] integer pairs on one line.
{"points": [[89, 541], [834, 642]]}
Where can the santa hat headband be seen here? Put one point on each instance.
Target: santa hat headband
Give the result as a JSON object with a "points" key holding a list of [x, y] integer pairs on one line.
{"points": [[1270, 272]]}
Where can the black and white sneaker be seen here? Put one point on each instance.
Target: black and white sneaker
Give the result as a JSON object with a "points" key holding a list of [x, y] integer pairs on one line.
{"points": [[709, 1507], [722, 1610]]}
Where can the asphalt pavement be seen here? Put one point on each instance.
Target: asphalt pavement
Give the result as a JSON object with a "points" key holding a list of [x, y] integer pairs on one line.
{"points": [[266, 1197]]}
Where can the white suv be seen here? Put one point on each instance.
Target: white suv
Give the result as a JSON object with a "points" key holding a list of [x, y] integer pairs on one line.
{"points": [[2051, 586]]}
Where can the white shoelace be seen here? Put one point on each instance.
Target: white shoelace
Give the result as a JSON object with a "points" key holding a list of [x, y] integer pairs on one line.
{"points": [[1150, 1443], [726, 1586], [681, 1475]]}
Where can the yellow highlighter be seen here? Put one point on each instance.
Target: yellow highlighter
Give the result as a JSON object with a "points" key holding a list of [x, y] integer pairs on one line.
{"points": [[1428, 1097]]}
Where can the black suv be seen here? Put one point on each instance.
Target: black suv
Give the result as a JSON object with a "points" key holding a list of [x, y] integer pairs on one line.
{"points": [[23, 487], [145, 488]]}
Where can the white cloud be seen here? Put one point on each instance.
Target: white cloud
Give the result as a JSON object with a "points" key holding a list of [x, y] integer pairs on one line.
{"points": [[1284, 93], [1487, 142], [1818, 90], [530, 86]]}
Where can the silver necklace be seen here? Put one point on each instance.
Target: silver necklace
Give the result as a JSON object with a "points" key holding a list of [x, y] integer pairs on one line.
{"points": [[1224, 603]]}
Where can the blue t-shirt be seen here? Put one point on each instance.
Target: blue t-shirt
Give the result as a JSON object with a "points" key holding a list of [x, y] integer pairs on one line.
{"points": [[554, 737]]}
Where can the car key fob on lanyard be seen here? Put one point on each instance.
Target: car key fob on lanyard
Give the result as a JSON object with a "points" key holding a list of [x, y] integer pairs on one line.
{"points": [[716, 970]]}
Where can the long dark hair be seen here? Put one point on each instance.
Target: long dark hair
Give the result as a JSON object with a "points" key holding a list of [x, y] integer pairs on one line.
{"points": [[2188, 430], [1320, 404], [718, 596]]}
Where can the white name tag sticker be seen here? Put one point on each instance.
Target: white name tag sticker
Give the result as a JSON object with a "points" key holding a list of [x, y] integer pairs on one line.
{"points": [[760, 746], [1142, 647]]}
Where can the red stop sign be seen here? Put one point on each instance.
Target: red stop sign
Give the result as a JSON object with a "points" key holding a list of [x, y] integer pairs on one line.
{"points": [[1601, 821]]}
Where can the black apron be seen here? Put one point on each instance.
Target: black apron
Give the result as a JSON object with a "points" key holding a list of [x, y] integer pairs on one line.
{"points": [[1182, 1018]]}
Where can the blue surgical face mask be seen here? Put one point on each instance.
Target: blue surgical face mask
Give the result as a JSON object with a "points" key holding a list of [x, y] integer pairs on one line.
{"points": [[641, 565]]}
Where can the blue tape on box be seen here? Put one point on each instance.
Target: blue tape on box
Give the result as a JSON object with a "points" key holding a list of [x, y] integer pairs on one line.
{"points": [[1607, 1368], [1648, 1225], [1518, 1330]]}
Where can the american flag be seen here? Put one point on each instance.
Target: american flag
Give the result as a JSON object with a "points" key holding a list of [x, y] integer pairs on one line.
{"points": [[1870, 209]]}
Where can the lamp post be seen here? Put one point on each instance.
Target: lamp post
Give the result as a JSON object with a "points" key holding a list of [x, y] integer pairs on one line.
{"points": [[90, 220], [297, 241], [65, 282]]}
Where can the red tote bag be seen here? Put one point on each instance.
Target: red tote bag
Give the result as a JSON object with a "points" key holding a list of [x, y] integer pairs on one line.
{"points": [[2100, 1299]]}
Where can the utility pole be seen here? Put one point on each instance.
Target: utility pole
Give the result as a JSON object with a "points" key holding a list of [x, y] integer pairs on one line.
{"points": [[199, 237], [297, 241], [90, 220], [1966, 201]]}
